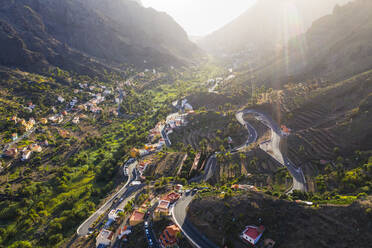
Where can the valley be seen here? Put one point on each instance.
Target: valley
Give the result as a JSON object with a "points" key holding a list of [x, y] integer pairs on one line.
{"points": [[117, 131]]}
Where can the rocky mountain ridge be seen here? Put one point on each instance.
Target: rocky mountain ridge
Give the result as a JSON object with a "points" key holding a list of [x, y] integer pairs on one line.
{"points": [[89, 35]]}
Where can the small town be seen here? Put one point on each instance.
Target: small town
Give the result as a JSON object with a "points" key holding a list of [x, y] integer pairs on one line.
{"points": [[185, 124]]}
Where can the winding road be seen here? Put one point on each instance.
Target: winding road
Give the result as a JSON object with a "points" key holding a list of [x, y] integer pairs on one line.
{"points": [[192, 234], [124, 192], [271, 147]]}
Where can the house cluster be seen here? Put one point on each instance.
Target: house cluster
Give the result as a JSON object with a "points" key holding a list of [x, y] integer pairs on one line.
{"points": [[26, 151], [57, 119], [164, 204], [159, 133], [244, 187], [92, 105], [106, 237], [134, 152], [142, 166], [174, 122], [168, 237], [26, 125], [155, 133]]}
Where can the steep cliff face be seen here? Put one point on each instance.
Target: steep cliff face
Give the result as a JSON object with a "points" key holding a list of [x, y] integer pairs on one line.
{"points": [[83, 34]]}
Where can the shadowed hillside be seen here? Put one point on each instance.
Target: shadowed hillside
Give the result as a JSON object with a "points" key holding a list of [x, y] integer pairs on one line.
{"points": [[86, 35]]}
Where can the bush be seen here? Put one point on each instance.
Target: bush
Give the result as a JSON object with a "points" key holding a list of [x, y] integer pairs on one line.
{"points": [[21, 244], [55, 239]]}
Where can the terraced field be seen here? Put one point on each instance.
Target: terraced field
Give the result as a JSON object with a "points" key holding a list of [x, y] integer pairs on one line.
{"points": [[212, 128], [325, 118], [166, 165]]}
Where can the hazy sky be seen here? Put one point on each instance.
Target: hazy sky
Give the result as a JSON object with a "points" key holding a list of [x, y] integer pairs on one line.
{"points": [[201, 17]]}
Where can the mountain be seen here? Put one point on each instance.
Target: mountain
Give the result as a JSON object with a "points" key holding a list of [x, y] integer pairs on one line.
{"points": [[267, 25], [82, 35], [335, 47]]}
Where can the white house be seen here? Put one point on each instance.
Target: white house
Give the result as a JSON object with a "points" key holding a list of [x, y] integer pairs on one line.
{"points": [[76, 120], [114, 214], [26, 155], [252, 234], [104, 238], [61, 99]]}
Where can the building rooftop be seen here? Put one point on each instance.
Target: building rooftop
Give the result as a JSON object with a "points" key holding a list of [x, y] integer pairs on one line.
{"points": [[171, 197], [106, 234], [168, 237], [254, 232], [164, 204], [137, 216]]}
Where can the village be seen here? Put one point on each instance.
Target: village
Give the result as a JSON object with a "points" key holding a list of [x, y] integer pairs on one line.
{"points": [[141, 213], [119, 228], [155, 206], [23, 145]]}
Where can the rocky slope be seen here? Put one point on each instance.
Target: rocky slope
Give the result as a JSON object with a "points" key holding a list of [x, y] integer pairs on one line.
{"points": [[89, 35], [267, 25], [336, 47]]}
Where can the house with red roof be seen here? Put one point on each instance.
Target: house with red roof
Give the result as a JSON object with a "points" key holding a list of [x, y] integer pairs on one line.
{"points": [[136, 218], [252, 234], [169, 236], [171, 197]]}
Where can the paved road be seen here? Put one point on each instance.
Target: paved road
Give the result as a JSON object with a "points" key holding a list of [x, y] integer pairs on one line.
{"points": [[211, 164], [272, 147], [151, 234], [213, 88], [126, 191], [252, 133], [165, 137], [193, 235]]}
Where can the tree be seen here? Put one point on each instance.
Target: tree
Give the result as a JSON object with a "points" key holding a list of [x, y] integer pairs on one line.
{"points": [[55, 239], [21, 244]]}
